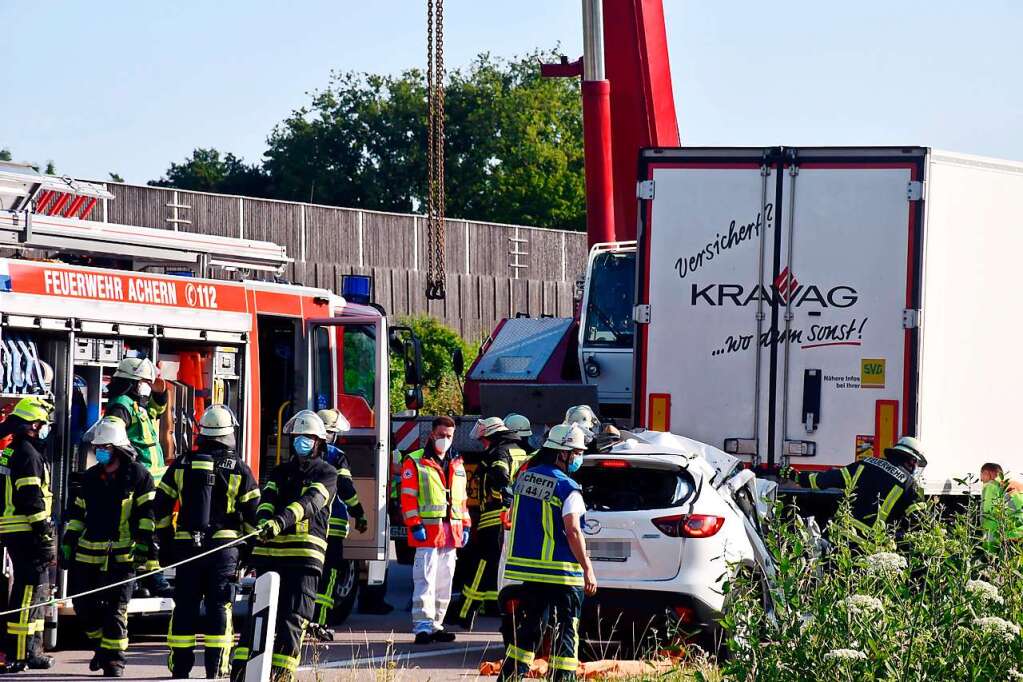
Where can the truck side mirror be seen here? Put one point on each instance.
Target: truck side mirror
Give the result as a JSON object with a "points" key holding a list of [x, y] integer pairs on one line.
{"points": [[413, 354], [414, 398], [458, 361]]}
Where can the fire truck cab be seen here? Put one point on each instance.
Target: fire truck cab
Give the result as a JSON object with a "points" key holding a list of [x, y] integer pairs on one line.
{"points": [[265, 349]]}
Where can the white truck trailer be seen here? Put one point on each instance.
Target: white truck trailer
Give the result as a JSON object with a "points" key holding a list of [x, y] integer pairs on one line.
{"points": [[811, 305]]}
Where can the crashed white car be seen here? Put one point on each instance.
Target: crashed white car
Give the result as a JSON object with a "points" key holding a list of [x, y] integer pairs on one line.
{"points": [[668, 521]]}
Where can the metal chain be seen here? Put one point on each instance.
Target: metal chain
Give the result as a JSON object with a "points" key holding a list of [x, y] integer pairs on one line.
{"points": [[435, 276]]}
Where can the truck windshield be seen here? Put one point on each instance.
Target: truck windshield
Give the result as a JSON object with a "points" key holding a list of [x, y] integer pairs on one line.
{"points": [[611, 296]]}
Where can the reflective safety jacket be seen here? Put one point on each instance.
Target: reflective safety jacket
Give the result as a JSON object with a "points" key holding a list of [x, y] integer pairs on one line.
{"points": [[885, 493], [232, 499], [1001, 508], [432, 494], [142, 425], [298, 496], [110, 520], [538, 545], [346, 502], [494, 473], [25, 484]]}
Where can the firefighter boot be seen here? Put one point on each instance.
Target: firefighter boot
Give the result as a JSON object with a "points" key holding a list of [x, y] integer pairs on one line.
{"points": [[180, 662]]}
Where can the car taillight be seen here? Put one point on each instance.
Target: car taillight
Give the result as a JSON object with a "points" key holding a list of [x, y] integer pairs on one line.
{"points": [[613, 464], [689, 525]]}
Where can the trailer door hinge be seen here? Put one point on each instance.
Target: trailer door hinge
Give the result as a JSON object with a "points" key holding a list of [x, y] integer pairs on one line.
{"points": [[641, 313], [915, 190], [910, 318], [645, 189]]}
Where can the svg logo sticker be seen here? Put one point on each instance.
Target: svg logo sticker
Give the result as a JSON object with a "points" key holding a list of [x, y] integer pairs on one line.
{"points": [[872, 373]]}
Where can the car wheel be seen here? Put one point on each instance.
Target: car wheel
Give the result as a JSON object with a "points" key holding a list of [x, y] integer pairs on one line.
{"points": [[345, 591]]}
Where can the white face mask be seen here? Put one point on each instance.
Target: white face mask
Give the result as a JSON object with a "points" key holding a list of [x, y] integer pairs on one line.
{"points": [[145, 390], [442, 445]]}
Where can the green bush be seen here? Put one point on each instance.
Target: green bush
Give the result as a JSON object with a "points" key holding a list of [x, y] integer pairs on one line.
{"points": [[934, 604], [441, 389]]}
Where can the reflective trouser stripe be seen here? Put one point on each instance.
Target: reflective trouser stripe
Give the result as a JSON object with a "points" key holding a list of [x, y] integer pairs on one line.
{"points": [[23, 623], [471, 593], [325, 599], [289, 663], [241, 653], [181, 641], [114, 644], [521, 655], [561, 663]]}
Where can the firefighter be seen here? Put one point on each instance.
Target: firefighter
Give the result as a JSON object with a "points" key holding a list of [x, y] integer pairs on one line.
{"points": [[547, 553], [435, 509], [138, 397], [501, 458], [885, 490], [293, 521], [346, 507], [26, 531], [109, 532], [218, 497], [585, 418], [522, 430]]}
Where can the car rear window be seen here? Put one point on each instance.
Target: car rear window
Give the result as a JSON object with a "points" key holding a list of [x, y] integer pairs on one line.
{"points": [[633, 489]]}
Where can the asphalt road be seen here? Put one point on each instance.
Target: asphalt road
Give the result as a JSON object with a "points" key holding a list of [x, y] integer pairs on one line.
{"points": [[365, 647]]}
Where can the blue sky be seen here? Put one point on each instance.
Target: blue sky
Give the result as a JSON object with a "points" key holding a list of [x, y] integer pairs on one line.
{"points": [[130, 86]]}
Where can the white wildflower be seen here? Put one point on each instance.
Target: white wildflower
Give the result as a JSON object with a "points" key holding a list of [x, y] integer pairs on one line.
{"points": [[1015, 674], [845, 655], [885, 564], [996, 627], [863, 605], [983, 591]]}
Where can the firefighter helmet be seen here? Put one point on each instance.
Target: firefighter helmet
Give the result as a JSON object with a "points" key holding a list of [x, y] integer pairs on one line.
{"points": [[584, 417], [518, 425], [306, 423], [566, 437], [485, 428], [908, 447], [334, 421], [217, 420], [136, 369], [33, 409], [109, 431]]}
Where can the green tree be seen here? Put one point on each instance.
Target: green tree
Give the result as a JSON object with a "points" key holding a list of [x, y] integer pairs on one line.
{"points": [[207, 170], [514, 149], [5, 154], [441, 387], [115, 177]]}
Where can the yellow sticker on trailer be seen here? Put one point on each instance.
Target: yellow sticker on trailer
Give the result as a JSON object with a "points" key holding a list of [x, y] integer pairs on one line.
{"points": [[872, 372]]}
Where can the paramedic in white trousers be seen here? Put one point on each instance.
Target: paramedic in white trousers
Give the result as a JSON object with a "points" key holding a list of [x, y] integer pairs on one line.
{"points": [[434, 506]]}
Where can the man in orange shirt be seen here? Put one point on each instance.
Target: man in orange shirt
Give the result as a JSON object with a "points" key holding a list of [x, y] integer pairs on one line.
{"points": [[434, 506]]}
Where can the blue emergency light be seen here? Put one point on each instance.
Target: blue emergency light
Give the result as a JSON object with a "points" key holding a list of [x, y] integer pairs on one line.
{"points": [[357, 288]]}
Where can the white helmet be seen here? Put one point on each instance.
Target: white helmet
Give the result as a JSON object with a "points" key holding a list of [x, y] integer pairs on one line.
{"points": [[566, 437], [108, 431], [306, 423], [584, 416], [485, 428], [909, 447], [518, 425], [217, 420], [137, 369], [334, 421]]}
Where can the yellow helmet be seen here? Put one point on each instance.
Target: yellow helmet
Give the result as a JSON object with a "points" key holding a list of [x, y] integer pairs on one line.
{"points": [[33, 409]]}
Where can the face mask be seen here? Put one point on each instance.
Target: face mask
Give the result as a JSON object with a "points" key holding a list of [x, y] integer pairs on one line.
{"points": [[103, 456], [575, 463], [144, 390], [303, 446], [44, 432], [442, 445]]}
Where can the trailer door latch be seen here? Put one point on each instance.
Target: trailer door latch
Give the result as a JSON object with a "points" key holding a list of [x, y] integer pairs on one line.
{"points": [[645, 189], [641, 313], [915, 190], [910, 318]]}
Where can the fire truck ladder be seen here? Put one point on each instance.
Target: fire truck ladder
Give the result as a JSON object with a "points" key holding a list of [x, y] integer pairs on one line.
{"points": [[49, 213]]}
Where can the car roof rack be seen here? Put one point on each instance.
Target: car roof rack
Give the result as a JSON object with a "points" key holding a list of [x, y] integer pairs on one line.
{"points": [[50, 213]]}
